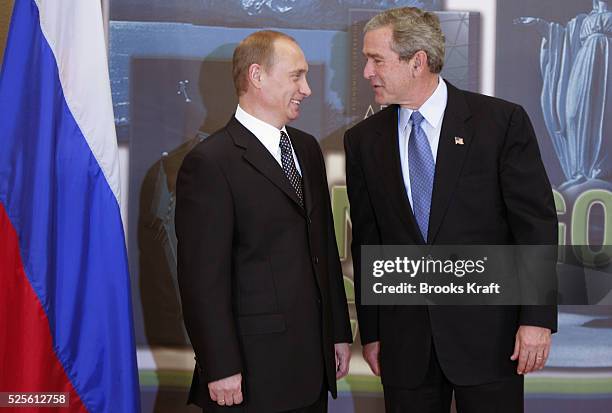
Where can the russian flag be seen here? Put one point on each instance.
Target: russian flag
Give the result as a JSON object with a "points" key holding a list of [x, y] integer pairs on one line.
{"points": [[65, 307]]}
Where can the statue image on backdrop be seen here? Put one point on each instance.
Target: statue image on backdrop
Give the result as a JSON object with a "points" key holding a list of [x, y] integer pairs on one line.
{"points": [[576, 89]]}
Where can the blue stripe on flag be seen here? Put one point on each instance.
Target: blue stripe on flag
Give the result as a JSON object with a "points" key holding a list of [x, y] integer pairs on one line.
{"points": [[68, 222]]}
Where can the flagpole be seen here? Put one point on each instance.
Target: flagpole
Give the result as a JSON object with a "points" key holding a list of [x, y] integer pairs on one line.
{"points": [[105, 18]]}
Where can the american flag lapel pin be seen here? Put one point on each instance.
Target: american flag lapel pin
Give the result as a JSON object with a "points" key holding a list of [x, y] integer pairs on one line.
{"points": [[458, 140]]}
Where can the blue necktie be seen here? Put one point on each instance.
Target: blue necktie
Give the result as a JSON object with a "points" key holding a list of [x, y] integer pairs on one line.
{"points": [[422, 169]]}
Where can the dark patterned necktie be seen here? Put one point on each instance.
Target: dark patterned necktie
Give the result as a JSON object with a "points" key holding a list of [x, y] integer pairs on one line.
{"points": [[289, 167]]}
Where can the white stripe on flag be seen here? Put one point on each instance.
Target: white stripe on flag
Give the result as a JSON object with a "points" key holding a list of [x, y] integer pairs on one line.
{"points": [[74, 31]]}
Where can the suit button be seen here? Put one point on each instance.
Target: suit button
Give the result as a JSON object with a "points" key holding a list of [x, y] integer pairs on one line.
{"points": [[309, 220], [315, 260]]}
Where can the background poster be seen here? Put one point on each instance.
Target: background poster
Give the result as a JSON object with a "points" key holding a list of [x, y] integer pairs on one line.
{"points": [[552, 57], [549, 58], [170, 66]]}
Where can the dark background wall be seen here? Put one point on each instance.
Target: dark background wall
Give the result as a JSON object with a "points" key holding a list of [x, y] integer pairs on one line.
{"points": [[6, 7]]}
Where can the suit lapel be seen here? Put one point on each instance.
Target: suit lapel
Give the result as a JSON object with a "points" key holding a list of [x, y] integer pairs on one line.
{"points": [[301, 151], [450, 158], [387, 153], [259, 157]]}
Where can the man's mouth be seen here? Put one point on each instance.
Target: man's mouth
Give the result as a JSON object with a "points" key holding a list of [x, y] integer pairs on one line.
{"points": [[297, 102]]}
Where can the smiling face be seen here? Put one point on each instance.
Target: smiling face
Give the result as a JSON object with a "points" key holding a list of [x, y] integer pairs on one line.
{"points": [[283, 84], [390, 78]]}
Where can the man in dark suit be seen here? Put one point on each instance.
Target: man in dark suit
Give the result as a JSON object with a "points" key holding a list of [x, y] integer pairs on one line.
{"points": [[444, 166], [258, 268]]}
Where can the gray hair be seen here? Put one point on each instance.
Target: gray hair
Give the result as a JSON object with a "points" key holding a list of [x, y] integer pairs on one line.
{"points": [[413, 30]]}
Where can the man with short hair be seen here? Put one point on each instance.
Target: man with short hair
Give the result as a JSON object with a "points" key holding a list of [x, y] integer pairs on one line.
{"points": [[444, 166], [258, 267]]}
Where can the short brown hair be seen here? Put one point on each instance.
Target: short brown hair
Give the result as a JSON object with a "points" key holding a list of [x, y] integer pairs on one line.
{"points": [[413, 30], [257, 48]]}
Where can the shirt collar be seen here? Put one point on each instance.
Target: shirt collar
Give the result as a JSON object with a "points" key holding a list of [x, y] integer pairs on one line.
{"points": [[433, 108], [267, 134]]}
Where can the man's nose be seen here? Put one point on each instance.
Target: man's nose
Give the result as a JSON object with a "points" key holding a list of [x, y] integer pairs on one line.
{"points": [[305, 89], [368, 70]]}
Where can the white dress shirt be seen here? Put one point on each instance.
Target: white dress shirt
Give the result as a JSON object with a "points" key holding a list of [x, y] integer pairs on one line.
{"points": [[433, 112], [267, 134]]}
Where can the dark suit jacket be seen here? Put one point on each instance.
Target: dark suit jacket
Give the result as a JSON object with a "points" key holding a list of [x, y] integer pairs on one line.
{"points": [[259, 276], [491, 190]]}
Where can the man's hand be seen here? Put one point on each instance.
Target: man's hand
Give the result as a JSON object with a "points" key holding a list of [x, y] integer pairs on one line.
{"points": [[227, 391], [371, 354], [531, 348], [343, 358]]}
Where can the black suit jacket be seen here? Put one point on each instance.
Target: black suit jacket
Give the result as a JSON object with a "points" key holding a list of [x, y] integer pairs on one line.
{"points": [[259, 276], [492, 190]]}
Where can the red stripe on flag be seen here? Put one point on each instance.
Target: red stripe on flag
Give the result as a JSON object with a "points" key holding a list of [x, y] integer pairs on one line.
{"points": [[29, 363]]}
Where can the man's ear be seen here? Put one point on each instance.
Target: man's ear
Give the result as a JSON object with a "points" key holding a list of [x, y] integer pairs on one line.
{"points": [[255, 75], [419, 62]]}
